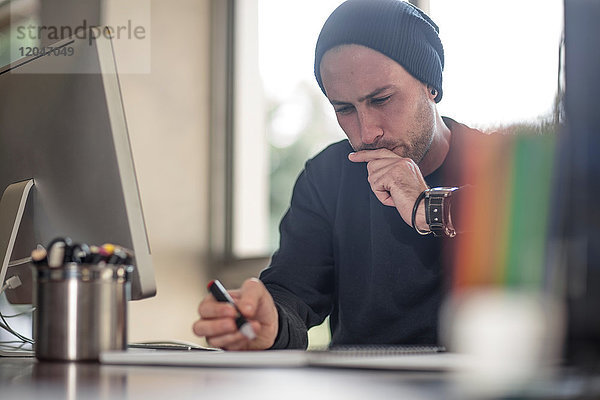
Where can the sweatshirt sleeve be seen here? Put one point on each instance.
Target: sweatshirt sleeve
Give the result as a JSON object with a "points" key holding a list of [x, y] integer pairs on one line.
{"points": [[300, 276]]}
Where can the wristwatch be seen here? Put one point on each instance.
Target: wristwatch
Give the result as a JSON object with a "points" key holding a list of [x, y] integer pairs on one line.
{"points": [[437, 211]]}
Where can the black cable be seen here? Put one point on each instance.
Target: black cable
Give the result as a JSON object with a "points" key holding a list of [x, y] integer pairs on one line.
{"points": [[7, 327]]}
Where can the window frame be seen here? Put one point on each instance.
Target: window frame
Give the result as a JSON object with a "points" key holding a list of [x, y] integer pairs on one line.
{"points": [[224, 262]]}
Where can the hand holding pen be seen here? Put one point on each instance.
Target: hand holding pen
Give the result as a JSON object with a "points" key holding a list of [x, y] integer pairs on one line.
{"points": [[220, 320], [220, 293]]}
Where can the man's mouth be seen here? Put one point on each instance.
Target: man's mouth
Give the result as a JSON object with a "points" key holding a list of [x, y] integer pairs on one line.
{"points": [[390, 147]]}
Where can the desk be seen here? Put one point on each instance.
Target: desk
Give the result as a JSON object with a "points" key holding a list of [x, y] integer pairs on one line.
{"points": [[24, 379]]}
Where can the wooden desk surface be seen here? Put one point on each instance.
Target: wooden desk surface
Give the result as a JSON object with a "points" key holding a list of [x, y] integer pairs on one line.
{"points": [[27, 378], [30, 379]]}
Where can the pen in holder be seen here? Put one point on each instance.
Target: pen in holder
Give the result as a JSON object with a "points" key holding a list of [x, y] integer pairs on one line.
{"points": [[81, 307]]}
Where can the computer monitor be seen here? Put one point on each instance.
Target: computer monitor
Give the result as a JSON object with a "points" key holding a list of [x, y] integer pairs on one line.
{"points": [[576, 215], [63, 128]]}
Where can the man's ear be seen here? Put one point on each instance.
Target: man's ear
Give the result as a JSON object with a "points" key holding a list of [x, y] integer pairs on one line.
{"points": [[432, 92]]}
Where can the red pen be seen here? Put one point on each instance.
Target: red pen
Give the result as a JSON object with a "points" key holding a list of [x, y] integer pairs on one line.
{"points": [[217, 289]]}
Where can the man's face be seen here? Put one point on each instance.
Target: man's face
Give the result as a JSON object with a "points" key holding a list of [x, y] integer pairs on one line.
{"points": [[377, 102]]}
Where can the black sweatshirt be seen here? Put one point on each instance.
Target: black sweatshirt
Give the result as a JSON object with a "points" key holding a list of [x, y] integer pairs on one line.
{"points": [[343, 253]]}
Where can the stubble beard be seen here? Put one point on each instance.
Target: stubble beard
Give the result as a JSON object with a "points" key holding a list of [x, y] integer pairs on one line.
{"points": [[419, 136]]}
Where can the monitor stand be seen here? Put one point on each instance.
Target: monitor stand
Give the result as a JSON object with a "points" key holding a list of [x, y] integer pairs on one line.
{"points": [[12, 206]]}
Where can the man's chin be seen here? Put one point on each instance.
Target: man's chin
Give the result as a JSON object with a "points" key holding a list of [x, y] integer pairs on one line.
{"points": [[420, 158], [402, 151]]}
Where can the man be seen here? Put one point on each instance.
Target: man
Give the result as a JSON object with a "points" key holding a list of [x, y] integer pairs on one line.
{"points": [[353, 242]]}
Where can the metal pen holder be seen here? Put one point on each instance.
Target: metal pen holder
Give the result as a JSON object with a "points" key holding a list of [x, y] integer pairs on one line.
{"points": [[81, 310]]}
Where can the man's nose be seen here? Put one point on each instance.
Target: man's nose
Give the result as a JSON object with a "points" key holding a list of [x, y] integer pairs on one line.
{"points": [[370, 130]]}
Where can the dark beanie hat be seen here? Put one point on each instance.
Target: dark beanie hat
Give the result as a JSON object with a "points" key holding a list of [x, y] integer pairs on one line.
{"points": [[395, 28]]}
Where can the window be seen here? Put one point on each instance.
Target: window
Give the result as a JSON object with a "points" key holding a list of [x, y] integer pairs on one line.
{"points": [[278, 117], [501, 62]]}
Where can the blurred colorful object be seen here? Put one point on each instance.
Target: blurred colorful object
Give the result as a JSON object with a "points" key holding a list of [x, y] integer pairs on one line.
{"points": [[506, 214]]}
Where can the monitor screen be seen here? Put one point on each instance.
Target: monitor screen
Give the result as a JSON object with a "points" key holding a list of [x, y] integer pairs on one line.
{"points": [[575, 216], [62, 125]]}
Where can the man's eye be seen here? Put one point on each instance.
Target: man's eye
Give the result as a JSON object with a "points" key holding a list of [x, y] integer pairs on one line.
{"points": [[344, 110], [380, 100]]}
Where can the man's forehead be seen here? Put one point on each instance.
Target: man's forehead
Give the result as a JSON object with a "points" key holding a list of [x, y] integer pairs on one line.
{"points": [[362, 68], [353, 50], [358, 57]]}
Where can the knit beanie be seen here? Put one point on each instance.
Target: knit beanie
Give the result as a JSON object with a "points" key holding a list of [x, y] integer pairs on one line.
{"points": [[394, 28]]}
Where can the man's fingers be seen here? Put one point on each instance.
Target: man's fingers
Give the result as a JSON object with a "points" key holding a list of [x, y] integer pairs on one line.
{"points": [[251, 294], [211, 308], [383, 164], [214, 327], [385, 198], [370, 155], [217, 322], [381, 168]]}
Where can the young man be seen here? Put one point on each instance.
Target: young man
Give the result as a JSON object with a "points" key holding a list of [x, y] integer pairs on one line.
{"points": [[353, 242]]}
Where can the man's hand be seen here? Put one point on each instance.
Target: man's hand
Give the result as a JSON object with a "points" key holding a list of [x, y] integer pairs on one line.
{"points": [[217, 319], [396, 181]]}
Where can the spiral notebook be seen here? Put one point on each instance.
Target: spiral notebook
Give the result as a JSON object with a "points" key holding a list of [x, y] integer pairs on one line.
{"points": [[418, 358]]}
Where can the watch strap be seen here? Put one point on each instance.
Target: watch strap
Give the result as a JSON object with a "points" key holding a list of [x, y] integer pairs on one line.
{"points": [[437, 211]]}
